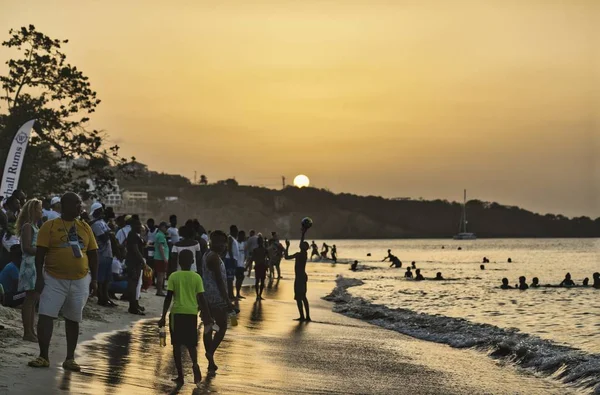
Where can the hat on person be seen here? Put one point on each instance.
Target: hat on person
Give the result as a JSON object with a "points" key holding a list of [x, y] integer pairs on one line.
{"points": [[95, 206], [55, 200]]}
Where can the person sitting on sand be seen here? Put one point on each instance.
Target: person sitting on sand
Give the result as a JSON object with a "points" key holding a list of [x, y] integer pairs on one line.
{"points": [[535, 283], [567, 282], [9, 279], [438, 276], [354, 266], [187, 289], [505, 284], [408, 273], [119, 280], [596, 277], [523, 283], [419, 276], [586, 282], [301, 279]]}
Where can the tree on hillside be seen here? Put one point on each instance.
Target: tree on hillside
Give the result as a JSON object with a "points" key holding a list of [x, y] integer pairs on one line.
{"points": [[40, 84], [228, 182], [203, 180]]}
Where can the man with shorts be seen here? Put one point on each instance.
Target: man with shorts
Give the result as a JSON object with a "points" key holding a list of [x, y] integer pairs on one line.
{"points": [[161, 257], [186, 288], [215, 286], [260, 257], [67, 266], [301, 280]]}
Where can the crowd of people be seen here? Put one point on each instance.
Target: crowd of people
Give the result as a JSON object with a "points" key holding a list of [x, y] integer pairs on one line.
{"points": [[55, 256]]}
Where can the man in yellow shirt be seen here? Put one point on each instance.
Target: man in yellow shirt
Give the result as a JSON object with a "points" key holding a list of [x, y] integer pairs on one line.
{"points": [[67, 265]]}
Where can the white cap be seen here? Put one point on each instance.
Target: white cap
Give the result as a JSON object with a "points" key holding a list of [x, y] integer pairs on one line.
{"points": [[55, 200], [95, 206]]}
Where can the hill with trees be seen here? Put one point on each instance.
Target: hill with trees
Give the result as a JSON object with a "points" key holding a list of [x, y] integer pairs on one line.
{"points": [[345, 215]]}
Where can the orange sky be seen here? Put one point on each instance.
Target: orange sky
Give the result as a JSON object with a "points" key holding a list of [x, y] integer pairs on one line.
{"points": [[391, 98]]}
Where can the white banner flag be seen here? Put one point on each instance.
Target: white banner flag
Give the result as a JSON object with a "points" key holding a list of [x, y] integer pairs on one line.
{"points": [[14, 160]]}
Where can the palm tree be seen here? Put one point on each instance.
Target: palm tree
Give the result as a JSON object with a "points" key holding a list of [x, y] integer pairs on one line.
{"points": [[203, 180]]}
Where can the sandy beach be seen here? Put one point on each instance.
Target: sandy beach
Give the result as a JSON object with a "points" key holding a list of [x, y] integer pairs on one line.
{"points": [[267, 353]]}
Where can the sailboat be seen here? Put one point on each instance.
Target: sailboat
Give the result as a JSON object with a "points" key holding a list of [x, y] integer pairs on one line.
{"points": [[462, 230]]}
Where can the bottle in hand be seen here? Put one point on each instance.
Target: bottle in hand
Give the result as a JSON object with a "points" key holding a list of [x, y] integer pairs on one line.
{"points": [[162, 333]]}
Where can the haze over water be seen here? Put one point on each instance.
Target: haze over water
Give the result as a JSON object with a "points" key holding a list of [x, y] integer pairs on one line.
{"points": [[390, 98]]}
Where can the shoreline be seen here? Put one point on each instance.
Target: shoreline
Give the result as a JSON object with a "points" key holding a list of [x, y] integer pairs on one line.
{"points": [[339, 354]]}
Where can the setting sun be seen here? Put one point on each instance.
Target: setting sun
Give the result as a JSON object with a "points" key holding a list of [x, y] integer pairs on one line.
{"points": [[301, 181]]}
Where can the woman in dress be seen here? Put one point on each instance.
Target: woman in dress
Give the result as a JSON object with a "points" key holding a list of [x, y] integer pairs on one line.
{"points": [[29, 217]]}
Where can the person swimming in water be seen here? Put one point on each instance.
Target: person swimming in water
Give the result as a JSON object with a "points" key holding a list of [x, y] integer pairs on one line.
{"points": [[523, 283], [324, 251], [419, 276], [509, 260], [438, 276], [482, 267], [505, 284], [485, 260], [596, 277], [408, 273], [354, 266], [535, 283], [334, 254], [413, 264], [567, 282], [586, 282], [389, 256]]}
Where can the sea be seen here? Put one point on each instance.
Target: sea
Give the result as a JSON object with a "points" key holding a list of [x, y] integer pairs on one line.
{"points": [[548, 330]]}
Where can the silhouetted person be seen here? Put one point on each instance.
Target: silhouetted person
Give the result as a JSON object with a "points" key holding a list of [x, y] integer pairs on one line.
{"points": [[438, 276], [324, 251], [413, 264], [535, 283], [459, 248], [369, 254], [389, 256], [354, 266], [301, 279], [523, 283], [396, 262], [567, 282], [509, 260], [315, 250], [408, 273], [260, 258], [419, 276], [586, 282], [596, 277], [482, 267], [334, 254], [485, 260], [505, 284]]}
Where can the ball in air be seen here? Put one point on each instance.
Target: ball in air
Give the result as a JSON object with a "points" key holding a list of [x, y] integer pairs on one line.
{"points": [[307, 223]]}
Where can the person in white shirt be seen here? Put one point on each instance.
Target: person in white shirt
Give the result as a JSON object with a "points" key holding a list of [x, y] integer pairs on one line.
{"points": [[186, 242], [124, 231], [173, 232], [241, 263], [55, 209]]}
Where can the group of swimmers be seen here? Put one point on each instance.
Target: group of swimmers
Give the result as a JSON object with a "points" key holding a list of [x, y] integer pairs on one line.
{"points": [[566, 283], [324, 252]]}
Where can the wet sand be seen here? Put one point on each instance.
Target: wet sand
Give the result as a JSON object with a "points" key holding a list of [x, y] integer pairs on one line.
{"points": [[268, 352]]}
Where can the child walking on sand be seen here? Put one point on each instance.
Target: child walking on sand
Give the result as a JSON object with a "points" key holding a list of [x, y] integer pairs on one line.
{"points": [[187, 288]]}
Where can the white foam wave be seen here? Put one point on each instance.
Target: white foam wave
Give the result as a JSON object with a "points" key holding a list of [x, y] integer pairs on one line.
{"points": [[567, 364]]}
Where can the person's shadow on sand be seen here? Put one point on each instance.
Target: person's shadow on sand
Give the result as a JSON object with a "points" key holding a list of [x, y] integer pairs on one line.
{"points": [[256, 314]]}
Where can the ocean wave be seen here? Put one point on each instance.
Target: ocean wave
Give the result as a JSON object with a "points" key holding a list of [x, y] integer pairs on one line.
{"points": [[570, 365]]}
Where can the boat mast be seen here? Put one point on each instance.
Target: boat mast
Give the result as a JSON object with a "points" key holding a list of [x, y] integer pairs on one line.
{"points": [[465, 213]]}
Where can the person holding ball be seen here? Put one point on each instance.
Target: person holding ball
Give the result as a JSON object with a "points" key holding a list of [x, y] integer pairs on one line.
{"points": [[301, 279]]}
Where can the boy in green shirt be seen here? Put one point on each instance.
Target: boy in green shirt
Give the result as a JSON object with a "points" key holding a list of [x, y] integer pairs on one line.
{"points": [[187, 288]]}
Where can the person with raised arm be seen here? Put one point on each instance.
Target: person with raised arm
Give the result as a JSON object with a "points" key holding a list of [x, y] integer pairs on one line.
{"points": [[301, 278]]}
